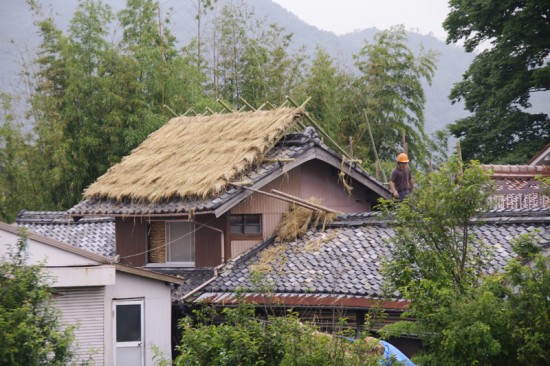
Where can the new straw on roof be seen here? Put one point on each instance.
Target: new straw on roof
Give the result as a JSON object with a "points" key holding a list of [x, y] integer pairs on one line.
{"points": [[194, 157]]}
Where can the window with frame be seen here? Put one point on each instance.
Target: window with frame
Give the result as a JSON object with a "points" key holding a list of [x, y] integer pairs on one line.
{"points": [[248, 226], [180, 237]]}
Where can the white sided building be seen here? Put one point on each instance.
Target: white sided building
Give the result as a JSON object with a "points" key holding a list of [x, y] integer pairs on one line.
{"points": [[121, 313]]}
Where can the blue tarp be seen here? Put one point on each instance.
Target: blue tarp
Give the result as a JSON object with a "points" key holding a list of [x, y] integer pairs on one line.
{"points": [[390, 352]]}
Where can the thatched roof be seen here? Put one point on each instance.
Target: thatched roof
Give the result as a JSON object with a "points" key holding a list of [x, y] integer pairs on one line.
{"points": [[194, 157]]}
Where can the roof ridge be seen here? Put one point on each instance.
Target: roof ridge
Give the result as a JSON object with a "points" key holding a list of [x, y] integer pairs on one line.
{"points": [[56, 217]]}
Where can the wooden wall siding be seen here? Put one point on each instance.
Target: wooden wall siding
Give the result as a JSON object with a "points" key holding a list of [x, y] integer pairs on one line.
{"points": [[131, 241], [320, 180], [157, 242], [239, 246], [208, 242], [271, 208]]}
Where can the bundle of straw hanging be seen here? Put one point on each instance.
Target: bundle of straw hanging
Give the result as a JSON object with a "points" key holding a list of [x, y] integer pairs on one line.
{"points": [[298, 220]]}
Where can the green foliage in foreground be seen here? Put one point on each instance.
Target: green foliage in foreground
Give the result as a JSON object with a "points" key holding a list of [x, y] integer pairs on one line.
{"points": [[245, 340], [31, 333], [463, 316]]}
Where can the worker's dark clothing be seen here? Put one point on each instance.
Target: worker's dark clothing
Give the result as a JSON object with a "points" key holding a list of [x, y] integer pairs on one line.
{"points": [[402, 179]]}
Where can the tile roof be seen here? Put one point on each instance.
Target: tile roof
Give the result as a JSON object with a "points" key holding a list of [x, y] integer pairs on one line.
{"points": [[517, 186], [517, 170], [95, 234], [344, 260], [296, 146]]}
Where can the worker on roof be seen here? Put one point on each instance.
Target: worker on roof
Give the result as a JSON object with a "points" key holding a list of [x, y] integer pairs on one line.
{"points": [[401, 181]]}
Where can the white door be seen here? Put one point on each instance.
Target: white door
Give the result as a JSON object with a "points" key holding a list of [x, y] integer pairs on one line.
{"points": [[128, 320]]}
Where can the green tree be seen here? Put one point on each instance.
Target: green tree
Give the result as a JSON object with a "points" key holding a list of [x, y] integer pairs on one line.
{"points": [[390, 95], [242, 339], [250, 59], [462, 316], [94, 100], [499, 84], [328, 88], [29, 323], [18, 186], [434, 239]]}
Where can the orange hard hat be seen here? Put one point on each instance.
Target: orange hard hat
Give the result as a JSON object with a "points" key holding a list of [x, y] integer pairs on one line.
{"points": [[402, 158]]}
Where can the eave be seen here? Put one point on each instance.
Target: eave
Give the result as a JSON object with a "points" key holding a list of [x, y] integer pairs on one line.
{"points": [[312, 300]]}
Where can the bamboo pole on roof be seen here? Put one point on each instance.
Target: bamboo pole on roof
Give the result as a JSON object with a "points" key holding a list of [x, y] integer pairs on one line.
{"points": [[190, 110], [283, 105], [377, 163], [228, 108], [247, 104], [174, 113], [270, 105]]}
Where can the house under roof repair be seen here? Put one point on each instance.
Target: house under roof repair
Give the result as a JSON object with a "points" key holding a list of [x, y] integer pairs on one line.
{"points": [[203, 189], [203, 197]]}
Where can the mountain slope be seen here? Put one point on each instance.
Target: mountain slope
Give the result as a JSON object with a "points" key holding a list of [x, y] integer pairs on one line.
{"points": [[17, 35]]}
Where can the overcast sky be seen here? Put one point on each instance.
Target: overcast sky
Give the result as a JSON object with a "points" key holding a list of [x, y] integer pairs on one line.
{"points": [[344, 16]]}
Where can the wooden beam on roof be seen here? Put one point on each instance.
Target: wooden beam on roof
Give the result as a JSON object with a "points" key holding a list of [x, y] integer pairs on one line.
{"points": [[297, 202], [279, 160], [297, 199]]}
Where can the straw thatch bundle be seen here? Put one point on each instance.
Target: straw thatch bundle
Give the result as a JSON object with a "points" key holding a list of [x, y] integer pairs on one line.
{"points": [[274, 256], [298, 220], [194, 157]]}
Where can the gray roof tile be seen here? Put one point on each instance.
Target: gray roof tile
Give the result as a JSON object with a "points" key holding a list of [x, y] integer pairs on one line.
{"points": [[349, 263], [95, 234]]}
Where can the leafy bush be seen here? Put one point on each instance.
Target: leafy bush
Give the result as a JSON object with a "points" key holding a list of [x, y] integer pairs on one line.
{"points": [[29, 323], [242, 339]]}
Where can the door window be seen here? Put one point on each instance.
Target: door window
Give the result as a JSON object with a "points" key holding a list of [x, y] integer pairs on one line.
{"points": [[129, 332]]}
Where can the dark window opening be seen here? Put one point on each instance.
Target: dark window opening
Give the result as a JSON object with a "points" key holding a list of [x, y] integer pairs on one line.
{"points": [[128, 323], [247, 226]]}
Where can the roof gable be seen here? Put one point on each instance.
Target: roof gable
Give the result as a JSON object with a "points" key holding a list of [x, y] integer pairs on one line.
{"points": [[542, 157], [194, 157]]}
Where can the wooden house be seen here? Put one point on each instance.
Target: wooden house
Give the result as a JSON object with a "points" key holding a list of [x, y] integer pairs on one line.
{"points": [[120, 312], [204, 189]]}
